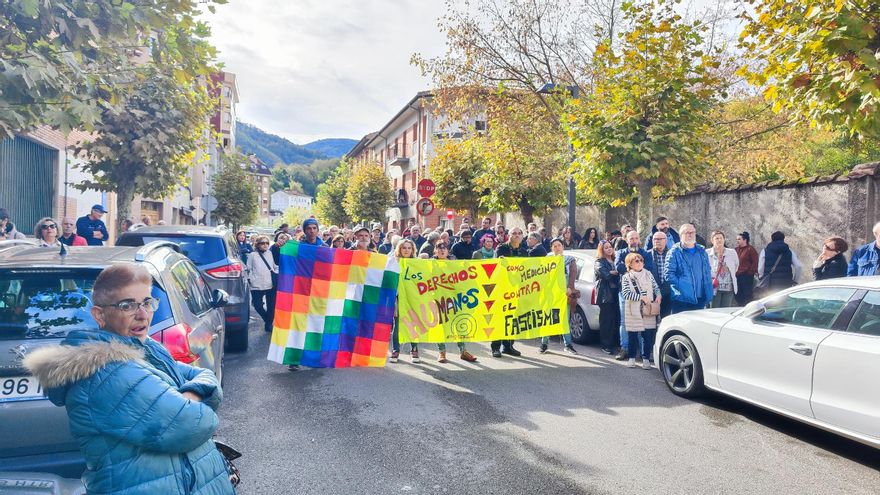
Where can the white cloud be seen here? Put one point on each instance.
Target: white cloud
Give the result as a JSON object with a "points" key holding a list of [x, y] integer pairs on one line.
{"points": [[309, 69]]}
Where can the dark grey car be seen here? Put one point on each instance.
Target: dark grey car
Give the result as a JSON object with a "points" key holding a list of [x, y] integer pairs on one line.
{"points": [[215, 252], [44, 296]]}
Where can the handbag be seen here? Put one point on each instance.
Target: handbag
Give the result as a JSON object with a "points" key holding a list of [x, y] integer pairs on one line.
{"points": [[274, 275], [229, 455], [764, 282], [647, 309], [719, 272]]}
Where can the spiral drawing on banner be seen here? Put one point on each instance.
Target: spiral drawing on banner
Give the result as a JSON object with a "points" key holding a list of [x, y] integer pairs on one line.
{"points": [[464, 325]]}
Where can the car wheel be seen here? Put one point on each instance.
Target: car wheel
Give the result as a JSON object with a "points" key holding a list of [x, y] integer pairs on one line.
{"points": [[580, 329], [237, 339], [681, 366]]}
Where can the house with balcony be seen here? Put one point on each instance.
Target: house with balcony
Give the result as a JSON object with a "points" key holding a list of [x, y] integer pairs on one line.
{"points": [[404, 147]]}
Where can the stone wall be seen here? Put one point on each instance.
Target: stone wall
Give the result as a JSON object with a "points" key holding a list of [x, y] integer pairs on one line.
{"points": [[807, 211]]}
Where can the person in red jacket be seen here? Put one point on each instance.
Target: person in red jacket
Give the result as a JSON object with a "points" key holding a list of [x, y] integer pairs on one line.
{"points": [[748, 267], [68, 234]]}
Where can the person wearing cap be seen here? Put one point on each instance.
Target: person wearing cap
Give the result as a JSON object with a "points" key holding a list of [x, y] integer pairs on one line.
{"points": [[92, 228], [748, 267], [7, 228], [463, 249], [310, 231], [361, 239]]}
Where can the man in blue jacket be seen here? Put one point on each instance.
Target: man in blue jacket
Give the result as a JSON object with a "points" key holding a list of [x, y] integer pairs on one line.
{"points": [[866, 259], [689, 273], [92, 228], [633, 243]]}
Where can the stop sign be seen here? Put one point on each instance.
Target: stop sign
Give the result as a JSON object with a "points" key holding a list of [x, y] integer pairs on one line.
{"points": [[426, 188]]}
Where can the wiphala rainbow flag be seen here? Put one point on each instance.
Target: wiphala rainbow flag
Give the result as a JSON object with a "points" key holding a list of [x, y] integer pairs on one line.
{"points": [[334, 307]]}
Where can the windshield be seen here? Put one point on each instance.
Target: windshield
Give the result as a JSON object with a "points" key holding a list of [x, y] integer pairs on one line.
{"points": [[49, 305], [201, 250]]}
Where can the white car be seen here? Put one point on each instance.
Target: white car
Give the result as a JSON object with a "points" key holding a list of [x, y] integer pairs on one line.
{"points": [[811, 352]]}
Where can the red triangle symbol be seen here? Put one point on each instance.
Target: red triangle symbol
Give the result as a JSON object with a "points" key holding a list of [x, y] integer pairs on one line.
{"points": [[489, 269], [488, 305], [488, 331]]}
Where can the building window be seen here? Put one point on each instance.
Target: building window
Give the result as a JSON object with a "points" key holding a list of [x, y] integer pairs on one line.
{"points": [[480, 125]]}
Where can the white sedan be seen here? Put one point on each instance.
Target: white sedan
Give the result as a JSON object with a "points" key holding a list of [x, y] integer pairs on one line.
{"points": [[811, 352]]}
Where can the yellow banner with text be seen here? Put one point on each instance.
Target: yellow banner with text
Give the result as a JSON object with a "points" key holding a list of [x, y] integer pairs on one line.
{"points": [[481, 300]]}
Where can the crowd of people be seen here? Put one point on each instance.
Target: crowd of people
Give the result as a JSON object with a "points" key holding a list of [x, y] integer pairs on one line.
{"points": [[675, 270], [636, 284]]}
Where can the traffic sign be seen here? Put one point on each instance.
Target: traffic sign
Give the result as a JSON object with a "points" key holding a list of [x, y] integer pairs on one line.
{"points": [[425, 206], [209, 203], [450, 214], [426, 188]]}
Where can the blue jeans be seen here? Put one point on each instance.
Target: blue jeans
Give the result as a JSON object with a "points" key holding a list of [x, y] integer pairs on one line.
{"points": [[624, 338], [395, 339], [566, 337], [648, 338], [678, 307]]}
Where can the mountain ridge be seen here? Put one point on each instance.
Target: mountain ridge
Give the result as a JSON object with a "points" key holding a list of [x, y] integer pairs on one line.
{"points": [[273, 149]]}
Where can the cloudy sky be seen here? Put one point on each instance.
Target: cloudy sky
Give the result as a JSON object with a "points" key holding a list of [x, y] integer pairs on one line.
{"points": [[311, 69]]}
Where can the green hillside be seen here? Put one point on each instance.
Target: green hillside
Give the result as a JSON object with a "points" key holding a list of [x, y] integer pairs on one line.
{"points": [[272, 149]]}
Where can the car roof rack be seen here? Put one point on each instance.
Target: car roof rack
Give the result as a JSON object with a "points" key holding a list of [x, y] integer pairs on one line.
{"points": [[149, 247]]}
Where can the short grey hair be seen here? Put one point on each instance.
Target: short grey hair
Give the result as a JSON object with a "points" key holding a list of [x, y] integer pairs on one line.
{"points": [[876, 228], [116, 277], [536, 236]]}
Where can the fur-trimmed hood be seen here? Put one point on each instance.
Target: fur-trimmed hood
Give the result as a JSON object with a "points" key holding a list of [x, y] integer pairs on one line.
{"points": [[61, 365], [80, 355]]}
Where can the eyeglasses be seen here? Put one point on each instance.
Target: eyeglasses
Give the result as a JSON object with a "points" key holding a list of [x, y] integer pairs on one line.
{"points": [[442, 246], [262, 243], [638, 261], [49, 226], [130, 306]]}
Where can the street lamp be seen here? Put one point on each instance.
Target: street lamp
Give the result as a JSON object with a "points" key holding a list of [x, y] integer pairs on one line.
{"points": [[549, 89]]}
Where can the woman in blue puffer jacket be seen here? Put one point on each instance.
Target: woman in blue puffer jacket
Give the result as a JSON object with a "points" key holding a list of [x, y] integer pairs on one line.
{"points": [[143, 421]]}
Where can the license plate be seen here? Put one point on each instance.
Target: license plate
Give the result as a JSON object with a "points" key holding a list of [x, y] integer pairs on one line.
{"points": [[20, 387]]}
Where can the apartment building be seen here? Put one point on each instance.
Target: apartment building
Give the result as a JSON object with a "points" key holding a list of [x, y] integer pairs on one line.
{"points": [[282, 200], [261, 177], [404, 147]]}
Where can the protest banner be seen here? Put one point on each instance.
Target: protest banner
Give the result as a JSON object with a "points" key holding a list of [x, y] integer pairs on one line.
{"points": [[481, 300], [334, 307]]}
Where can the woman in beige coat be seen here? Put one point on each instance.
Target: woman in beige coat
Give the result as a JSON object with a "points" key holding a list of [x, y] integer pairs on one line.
{"points": [[638, 287]]}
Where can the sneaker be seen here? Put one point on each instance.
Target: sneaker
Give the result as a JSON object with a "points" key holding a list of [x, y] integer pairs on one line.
{"points": [[394, 356], [415, 357], [510, 350], [496, 353], [646, 365], [621, 355], [570, 349], [607, 350], [442, 357], [468, 357], [543, 348], [631, 363], [293, 367]]}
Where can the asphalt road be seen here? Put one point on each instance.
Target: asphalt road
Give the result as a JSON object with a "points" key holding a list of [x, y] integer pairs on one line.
{"points": [[548, 424]]}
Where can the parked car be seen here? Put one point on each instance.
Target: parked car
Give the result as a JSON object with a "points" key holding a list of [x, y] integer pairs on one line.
{"points": [[215, 252], [585, 320], [45, 295], [810, 352]]}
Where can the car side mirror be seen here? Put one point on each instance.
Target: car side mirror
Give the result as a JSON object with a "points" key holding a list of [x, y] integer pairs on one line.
{"points": [[753, 310], [219, 298]]}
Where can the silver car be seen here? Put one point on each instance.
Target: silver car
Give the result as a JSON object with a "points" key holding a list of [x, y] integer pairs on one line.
{"points": [[44, 295], [214, 250], [585, 320]]}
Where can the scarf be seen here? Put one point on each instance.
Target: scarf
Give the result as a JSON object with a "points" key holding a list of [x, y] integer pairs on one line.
{"points": [[487, 253]]}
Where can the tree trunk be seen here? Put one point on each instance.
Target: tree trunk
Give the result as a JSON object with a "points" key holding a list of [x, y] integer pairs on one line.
{"points": [[527, 211], [124, 197], [645, 213]]}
